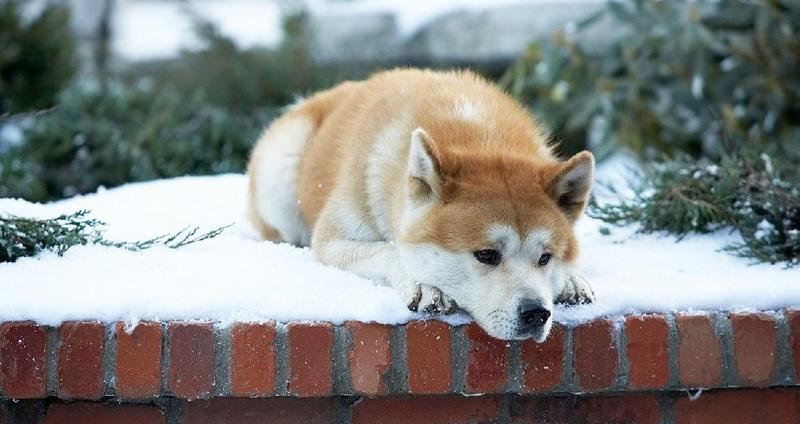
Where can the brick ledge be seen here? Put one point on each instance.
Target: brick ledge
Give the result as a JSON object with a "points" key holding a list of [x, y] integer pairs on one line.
{"points": [[196, 360]]}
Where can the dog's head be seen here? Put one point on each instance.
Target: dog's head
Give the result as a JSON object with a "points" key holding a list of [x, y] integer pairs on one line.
{"points": [[494, 232]]}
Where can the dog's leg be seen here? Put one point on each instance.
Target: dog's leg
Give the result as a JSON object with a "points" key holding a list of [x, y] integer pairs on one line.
{"points": [[376, 260], [379, 260]]}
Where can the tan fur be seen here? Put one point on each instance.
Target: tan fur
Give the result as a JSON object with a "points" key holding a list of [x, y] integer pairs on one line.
{"points": [[492, 162], [502, 158]]}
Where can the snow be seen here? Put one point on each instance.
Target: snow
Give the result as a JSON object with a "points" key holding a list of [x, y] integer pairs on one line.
{"points": [[155, 29], [236, 277], [10, 135], [764, 229], [413, 15]]}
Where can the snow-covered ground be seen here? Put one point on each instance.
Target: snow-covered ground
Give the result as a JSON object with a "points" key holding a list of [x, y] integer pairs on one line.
{"points": [[237, 277]]}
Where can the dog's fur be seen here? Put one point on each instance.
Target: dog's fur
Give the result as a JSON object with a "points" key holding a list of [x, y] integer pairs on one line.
{"points": [[402, 177]]}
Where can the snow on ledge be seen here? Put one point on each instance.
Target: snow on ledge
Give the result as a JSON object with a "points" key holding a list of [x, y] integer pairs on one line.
{"points": [[236, 277]]}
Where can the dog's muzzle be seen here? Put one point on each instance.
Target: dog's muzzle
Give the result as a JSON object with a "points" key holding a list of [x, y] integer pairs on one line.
{"points": [[532, 315]]}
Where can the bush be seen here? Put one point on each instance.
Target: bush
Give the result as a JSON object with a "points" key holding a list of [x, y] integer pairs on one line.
{"points": [[37, 57], [116, 133], [701, 77], [750, 193], [239, 79]]}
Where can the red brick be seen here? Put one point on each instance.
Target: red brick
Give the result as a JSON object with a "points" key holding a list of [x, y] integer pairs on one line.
{"points": [[452, 409], [25, 411], [138, 360], [277, 410], [428, 353], [370, 357], [754, 347], [542, 363], [625, 409], [793, 319], [23, 360], [310, 362], [486, 361], [647, 351], [699, 352], [252, 359], [98, 413], [751, 406], [80, 360], [595, 347], [191, 360]]}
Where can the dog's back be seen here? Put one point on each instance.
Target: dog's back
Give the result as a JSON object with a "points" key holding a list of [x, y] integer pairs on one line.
{"points": [[353, 140]]}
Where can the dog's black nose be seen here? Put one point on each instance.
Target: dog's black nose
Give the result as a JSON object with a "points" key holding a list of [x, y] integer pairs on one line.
{"points": [[532, 314]]}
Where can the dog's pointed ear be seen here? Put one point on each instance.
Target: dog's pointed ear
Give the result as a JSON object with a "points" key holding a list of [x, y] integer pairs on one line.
{"points": [[423, 167], [573, 183]]}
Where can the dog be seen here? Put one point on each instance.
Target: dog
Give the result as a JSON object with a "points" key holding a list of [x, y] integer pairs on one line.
{"points": [[436, 183]]}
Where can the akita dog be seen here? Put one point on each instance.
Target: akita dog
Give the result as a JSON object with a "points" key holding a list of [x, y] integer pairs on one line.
{"points": [[436, 183]]}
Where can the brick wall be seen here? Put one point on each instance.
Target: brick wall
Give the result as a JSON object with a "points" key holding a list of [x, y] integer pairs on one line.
{"points": [[632, 369]]}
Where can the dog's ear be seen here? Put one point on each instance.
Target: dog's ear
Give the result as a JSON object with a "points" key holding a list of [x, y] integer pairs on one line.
{"points": [[573, 183], [423, 167]]}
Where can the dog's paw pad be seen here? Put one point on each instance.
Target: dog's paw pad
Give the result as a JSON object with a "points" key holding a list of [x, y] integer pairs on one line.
{"points": [[576, 291], [428, 299]]}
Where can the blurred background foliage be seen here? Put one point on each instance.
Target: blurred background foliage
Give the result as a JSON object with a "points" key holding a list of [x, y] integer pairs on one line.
{"points": [[112, 133], [701, 77], [37, 57], [685, 85], [197, 114]]}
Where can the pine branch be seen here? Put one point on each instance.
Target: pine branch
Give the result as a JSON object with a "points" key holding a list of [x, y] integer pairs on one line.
{"points": [[28, 236], [176, 240], [22, 237]]}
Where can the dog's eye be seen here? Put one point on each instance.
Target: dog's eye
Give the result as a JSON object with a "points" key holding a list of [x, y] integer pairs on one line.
{"points": [[488, 256], [544, 259]]}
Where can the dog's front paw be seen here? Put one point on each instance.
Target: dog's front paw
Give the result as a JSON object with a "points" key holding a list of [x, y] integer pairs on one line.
{"points": [[429, 299], [576, 290]]}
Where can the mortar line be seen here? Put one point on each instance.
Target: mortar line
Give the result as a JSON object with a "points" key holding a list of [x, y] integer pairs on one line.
{"points": [[109, 360], [459, 349], [52, 360], [341, 378], [342, 410], [514, 367], [568, 375], [784, 368], [222, 360], [672, 351], [281, 359], [620, 336], [723, 328], [398, 376], [165, 362]]}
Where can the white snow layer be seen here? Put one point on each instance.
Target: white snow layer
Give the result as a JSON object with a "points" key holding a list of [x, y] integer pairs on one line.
{"points": [[237, 277]]}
